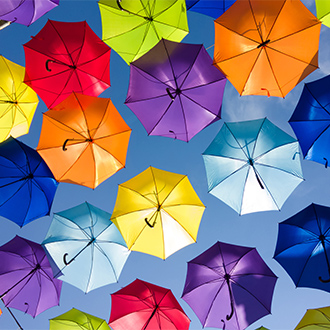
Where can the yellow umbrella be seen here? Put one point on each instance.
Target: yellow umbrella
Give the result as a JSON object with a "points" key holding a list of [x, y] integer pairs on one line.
{"points": [[157, 212], [18, 101], [318, 318]]}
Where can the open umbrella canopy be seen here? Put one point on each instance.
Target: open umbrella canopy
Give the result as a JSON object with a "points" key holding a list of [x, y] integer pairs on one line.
{"points": [[27, 186], [229, 286], [66, 57], [213, 8], [26, 277], [264, 52], [303, 247], [253, 166], [174, 90], [25, 11], [312, 115], [145, 306], [86, 246], [75, 319], [157, 212], [315, 319], [84, 140], [132, 28], [323, 11], [18, 101]]}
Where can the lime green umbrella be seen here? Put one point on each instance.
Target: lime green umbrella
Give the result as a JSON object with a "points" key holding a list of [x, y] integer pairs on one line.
{"points": [[262, 328], [133, 27], [314, 319], [75, 319], [323, 11]]}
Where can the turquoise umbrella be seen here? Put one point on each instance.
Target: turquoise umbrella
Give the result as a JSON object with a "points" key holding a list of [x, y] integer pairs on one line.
{"points": [[253, 166], [86, 247]]}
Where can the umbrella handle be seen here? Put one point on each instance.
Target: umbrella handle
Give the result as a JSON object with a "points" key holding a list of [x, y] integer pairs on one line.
{"points": [[47, 67], [65, 261], [148, 223], [169, 93], [324, 281], [326, 162], [64, 144]]}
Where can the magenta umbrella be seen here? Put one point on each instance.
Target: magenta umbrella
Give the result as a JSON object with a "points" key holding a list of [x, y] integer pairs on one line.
{"points": [[229, 286], [174, 90], [25, 11], [26, 277]]}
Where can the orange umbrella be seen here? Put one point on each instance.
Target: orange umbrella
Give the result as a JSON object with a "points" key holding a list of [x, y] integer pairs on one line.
{"points": [[266, 47], [84, 140]]}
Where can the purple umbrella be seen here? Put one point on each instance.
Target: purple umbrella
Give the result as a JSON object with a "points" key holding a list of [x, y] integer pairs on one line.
{"points": [[229, 286], [26, 277], [25, 11], [175, 90]]}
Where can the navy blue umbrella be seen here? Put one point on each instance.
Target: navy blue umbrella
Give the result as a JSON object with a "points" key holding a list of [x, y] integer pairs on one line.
{"points": [[303, 247], [311, 119], [213, 8], [27, 186]]}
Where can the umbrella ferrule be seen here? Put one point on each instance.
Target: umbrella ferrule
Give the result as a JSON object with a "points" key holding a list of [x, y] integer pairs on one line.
{"points": [[251, 162]]}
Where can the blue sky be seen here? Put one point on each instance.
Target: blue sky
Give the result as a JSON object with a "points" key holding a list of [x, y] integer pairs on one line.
{"points": [[219, 222]]}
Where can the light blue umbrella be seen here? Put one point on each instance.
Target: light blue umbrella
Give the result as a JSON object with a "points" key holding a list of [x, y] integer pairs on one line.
{"points": [[253, 166], [86, 247]]}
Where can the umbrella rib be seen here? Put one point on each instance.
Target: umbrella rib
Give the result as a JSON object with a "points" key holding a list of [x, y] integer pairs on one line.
{"points": [[315, 99]]}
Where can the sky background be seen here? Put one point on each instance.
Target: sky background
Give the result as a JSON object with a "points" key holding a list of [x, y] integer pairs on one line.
{"points": [[219, 222]]}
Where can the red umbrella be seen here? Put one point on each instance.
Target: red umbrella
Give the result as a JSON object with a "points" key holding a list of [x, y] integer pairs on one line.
{"points": [[145, 306], [66, 57]]}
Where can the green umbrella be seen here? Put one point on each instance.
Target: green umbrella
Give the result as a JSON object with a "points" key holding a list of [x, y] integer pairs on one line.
{"points": [[133, 27], [262, 328], [323, 11], [76, 319]]}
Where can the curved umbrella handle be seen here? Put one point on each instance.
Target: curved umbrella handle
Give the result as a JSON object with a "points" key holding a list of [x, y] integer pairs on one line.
{"points": [[47, 67], [64, 145], [148, 223], [228, 317], [65, 261], [326, 162], [169, 93], [119, 5], [324, 281]]}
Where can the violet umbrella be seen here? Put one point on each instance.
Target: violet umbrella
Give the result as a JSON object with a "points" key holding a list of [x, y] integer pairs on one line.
{"points": [[25, 11], [26, 277], [174, 90], [229, 286]]}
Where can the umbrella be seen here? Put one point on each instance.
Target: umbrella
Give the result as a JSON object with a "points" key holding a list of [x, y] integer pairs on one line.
{"points": [[303, 247], [26, 277], [253, 166], [27, 186], [229, 286], [323, 11], [132, 28], [157, 212], [25, 11], [18, 101], [264, 52], [84, 140], [76, 319], [213, 8], [315, 319], [312, 115], [175, 90], [86, 247], [145, 306], [66, 57]]}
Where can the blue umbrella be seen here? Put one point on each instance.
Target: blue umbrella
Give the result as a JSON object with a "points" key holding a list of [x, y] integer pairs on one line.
{"points": [[86, 247], [213, 8], [311, 119], [253, 166], [27, 186], [303, 247]]}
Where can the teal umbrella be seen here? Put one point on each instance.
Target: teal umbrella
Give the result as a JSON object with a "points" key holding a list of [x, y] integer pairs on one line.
{"points": [[253, 166], [86, 247]]}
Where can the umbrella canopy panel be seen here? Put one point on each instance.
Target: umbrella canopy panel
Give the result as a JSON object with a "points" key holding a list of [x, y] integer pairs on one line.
{"points": [[66, 57], [253, 166], [145, 306], [229, 286], [25, 11], [265, 52], [87, 248], [157, 212], [132, 28], [26, 277], [18, 101], [315, 319], [323, 11], [209, 7], [174, 90], [84, 140]]}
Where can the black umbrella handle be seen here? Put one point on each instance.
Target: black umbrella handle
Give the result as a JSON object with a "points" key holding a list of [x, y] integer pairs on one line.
{"points": [[148, 223]]}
